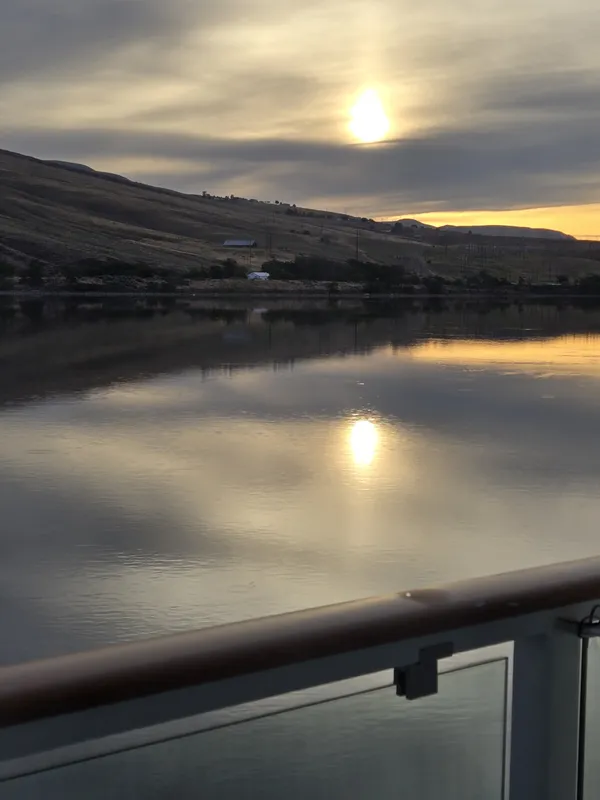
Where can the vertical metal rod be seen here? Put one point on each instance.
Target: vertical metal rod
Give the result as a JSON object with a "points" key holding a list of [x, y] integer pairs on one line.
{"points": [[505, 714], [545, 725], [582, 719]]}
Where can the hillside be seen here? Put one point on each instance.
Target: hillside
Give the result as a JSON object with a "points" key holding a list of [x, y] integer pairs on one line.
{"points": [[60, 212], [511, 231]]}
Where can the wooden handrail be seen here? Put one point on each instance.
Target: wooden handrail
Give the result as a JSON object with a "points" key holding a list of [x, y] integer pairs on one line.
{"points": [[55, 686]]}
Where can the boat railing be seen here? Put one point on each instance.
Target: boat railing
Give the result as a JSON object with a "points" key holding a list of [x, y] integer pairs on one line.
{"points": [[529, 629]]}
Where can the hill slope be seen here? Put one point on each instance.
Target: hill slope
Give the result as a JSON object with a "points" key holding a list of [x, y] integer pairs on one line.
{"points": [[512, 231], [60, 212]]}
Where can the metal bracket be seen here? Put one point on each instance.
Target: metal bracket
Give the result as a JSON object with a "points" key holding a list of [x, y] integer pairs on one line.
{"points": [[421, 679], [586, 628]]}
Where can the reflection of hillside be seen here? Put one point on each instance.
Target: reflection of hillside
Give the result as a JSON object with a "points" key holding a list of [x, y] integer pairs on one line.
{"points": [[51, 348]]}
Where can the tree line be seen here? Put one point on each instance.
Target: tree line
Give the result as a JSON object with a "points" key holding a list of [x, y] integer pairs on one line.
{"points": [[372, 278]]}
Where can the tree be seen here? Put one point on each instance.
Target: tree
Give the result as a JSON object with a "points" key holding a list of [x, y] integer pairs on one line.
{"points": [[590, 284], [215, 272], [434, 284], [71, 278], [7, 274], [195, 273], [231, 269], [34, 274]]}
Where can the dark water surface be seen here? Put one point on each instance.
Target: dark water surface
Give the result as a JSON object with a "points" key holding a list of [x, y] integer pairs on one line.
{"points": [[170, 467]]}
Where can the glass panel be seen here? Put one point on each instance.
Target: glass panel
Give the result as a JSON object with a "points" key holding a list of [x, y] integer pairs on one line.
{"points": [[592, 722], [370, 744]]}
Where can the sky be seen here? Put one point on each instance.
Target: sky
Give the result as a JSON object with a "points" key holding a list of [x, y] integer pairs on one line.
{"points": [[493, 105]]}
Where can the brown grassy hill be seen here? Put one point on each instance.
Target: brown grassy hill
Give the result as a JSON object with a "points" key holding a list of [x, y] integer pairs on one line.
{"points": [[60, 213]]}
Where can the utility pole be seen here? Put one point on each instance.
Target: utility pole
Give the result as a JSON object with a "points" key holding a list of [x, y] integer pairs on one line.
{"points": [[268, 242], [357, 241]]}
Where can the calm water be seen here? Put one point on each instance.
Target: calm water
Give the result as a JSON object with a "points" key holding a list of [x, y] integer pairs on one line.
{"points": [[165, 468], [177, 468]]}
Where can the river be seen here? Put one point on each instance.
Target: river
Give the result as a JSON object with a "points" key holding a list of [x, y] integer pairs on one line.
{"points": [[173, 466]]}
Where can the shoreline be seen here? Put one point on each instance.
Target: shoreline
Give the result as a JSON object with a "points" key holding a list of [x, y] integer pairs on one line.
{"points": [[301, 295]]}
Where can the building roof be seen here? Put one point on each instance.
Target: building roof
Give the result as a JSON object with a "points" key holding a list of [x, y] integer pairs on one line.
{"points": [[239, 243]]}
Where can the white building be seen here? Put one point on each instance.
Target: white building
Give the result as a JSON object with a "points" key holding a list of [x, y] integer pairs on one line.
{"points": [[258, 276]]}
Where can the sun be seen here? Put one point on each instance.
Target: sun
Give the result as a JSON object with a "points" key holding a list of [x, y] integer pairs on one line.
{"points": [[363, 442], [368, 121]]}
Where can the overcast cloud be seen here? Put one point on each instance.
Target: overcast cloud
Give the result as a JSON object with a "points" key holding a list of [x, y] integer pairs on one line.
{"points": [[494, 104]]}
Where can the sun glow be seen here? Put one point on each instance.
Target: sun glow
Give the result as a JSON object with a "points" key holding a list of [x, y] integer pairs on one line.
{"points": [[363, 442], [368, 121]]}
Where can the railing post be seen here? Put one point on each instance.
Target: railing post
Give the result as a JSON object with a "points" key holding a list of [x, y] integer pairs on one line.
{"points": [[545, 717]]}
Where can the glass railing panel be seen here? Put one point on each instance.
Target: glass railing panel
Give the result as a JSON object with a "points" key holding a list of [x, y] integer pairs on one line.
{"points": [[370, 744], [591, 750]]}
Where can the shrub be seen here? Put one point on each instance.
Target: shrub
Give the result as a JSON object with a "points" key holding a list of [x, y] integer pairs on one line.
{"points": [[34, 274]]}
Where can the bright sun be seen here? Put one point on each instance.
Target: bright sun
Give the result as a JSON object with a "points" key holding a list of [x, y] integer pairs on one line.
{"points": [[363, 442], [368, 120]]}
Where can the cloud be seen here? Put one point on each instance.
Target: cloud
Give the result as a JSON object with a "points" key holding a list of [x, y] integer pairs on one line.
{"points": [[253, 98], [45, 40], [552, 92], [490, 167], [48, 39]]}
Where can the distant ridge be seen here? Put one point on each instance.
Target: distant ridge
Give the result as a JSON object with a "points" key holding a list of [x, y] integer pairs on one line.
{"points": [[514, 231], [88, 170], [509, 230], [71, 165]]}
